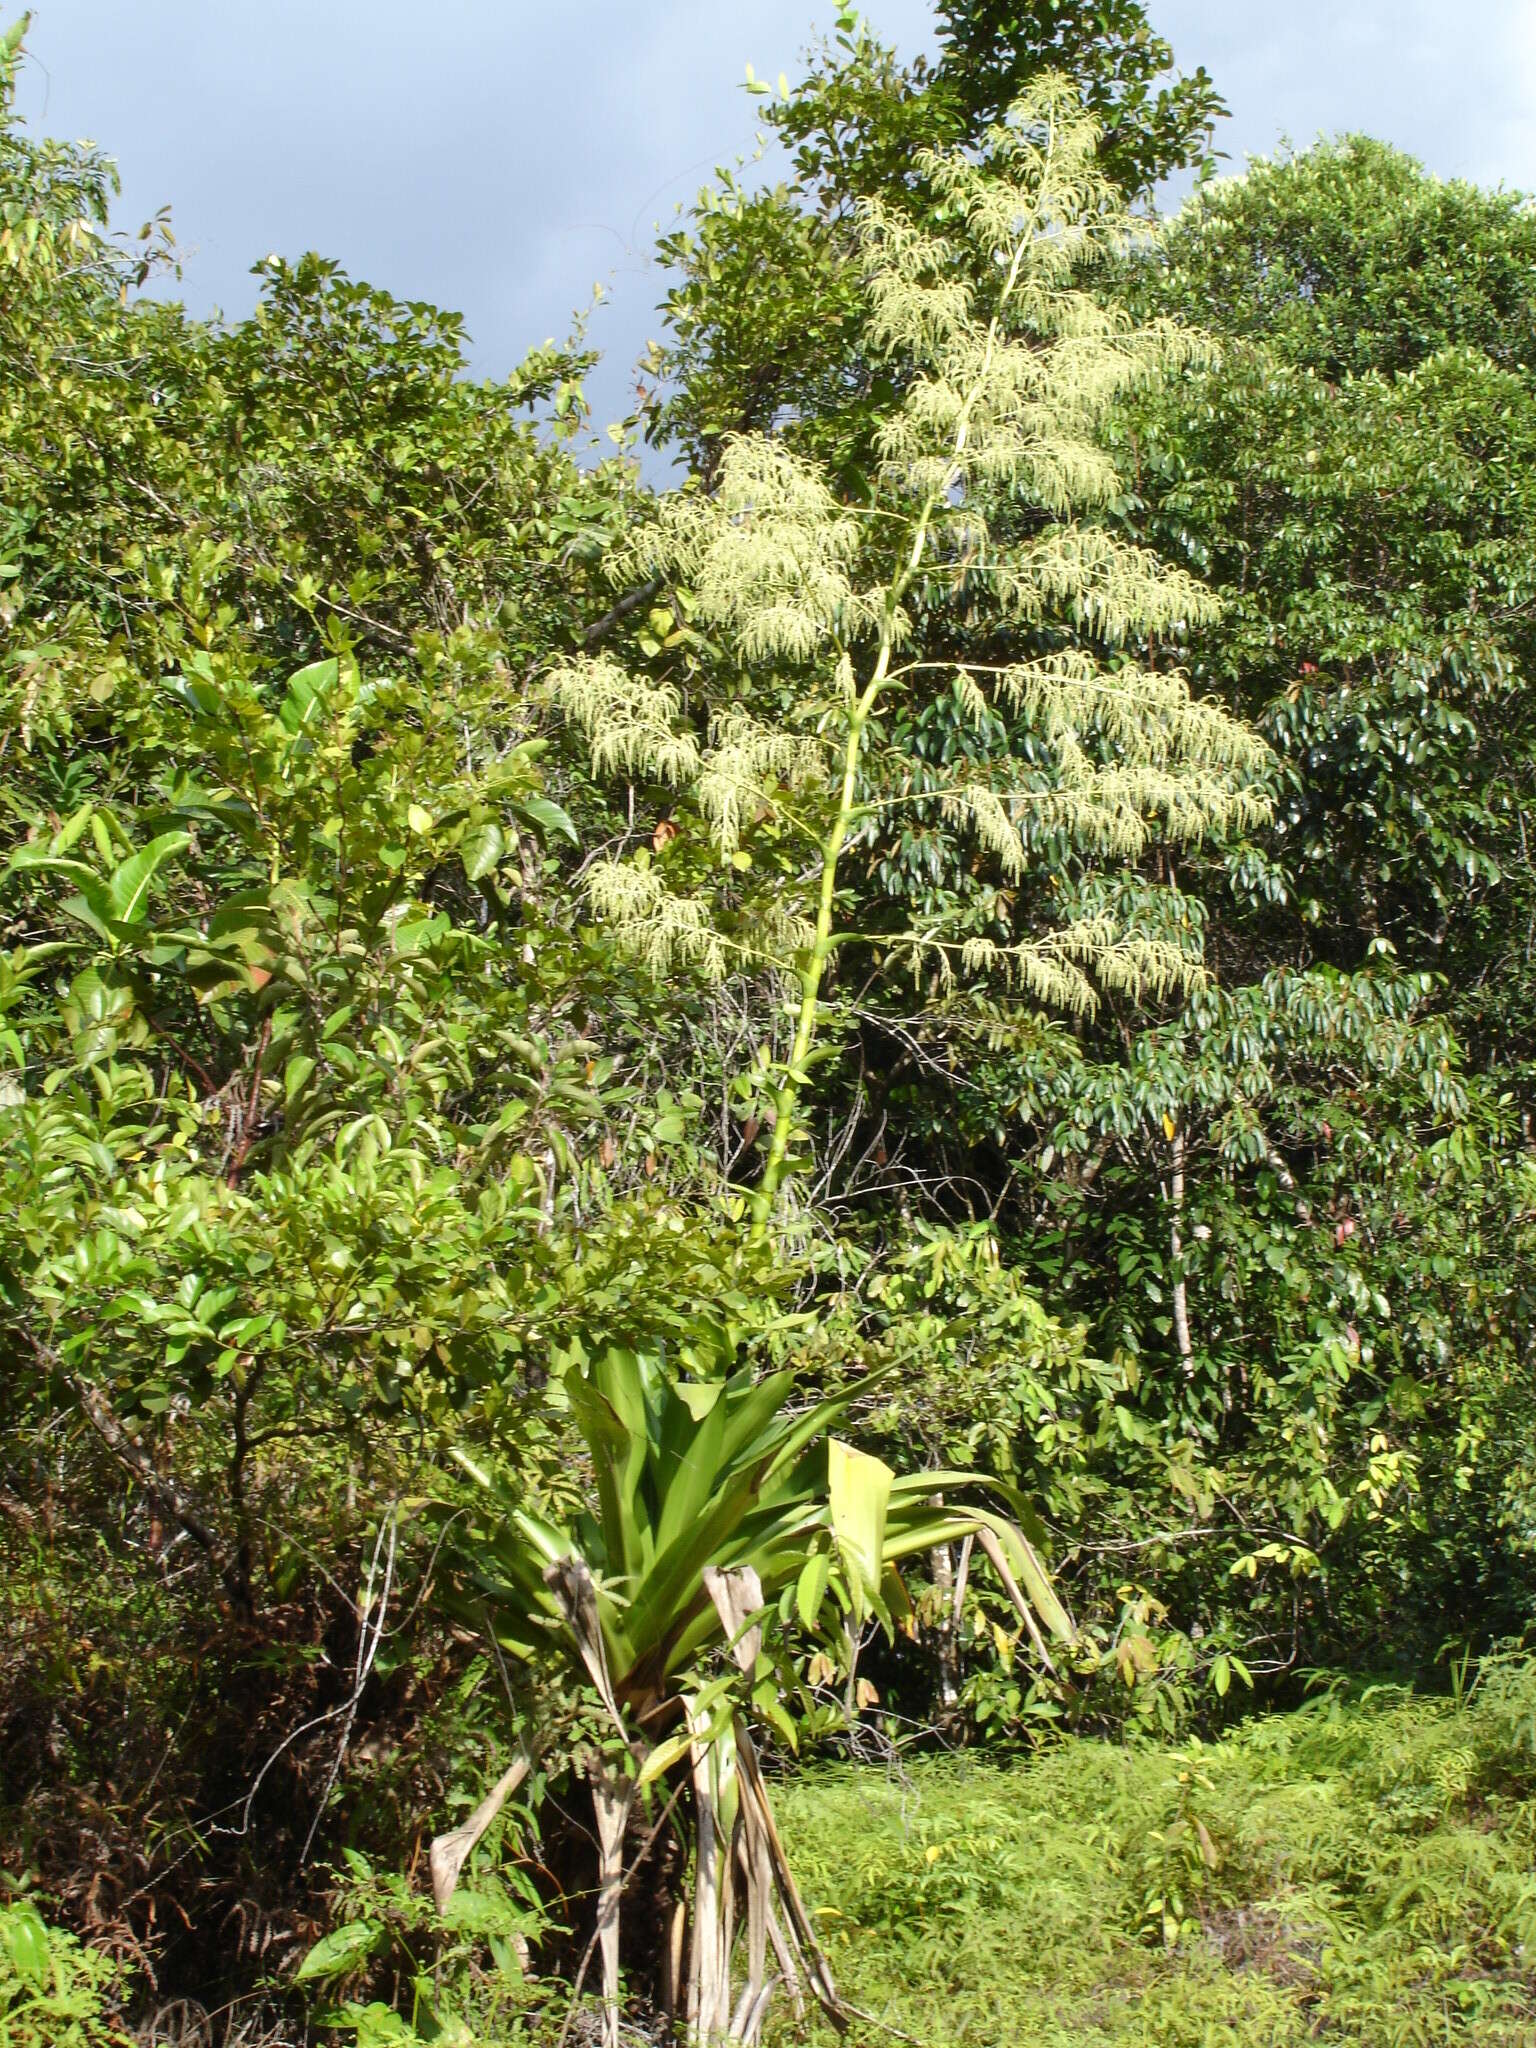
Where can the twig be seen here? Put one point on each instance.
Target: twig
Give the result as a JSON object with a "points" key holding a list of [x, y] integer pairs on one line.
{"points": [[873, 2020], [1176, 1249], [368, 1641], [631, 601], [164, 1492], [368, 1647]]}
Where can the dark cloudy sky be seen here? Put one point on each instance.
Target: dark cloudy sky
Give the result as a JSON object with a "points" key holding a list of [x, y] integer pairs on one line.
{"points": [[501, 156]]}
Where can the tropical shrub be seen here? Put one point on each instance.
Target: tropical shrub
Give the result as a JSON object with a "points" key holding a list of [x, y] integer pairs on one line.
{"points": [[53, 1991]]}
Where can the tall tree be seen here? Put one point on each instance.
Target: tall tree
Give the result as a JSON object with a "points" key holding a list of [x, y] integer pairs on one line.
{"points": [[764, 325]]}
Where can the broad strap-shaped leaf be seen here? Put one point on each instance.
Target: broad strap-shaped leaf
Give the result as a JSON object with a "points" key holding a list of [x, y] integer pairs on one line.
{"points": [[748, 1417], [1028, 1570], [1020, 1505], [615, 1452], [811, 1587], [916, 1528], [128, 890], [803, 1429], [672, 1587], [859, 1493], [677, 1415], [695, 1479], [629, 1382]]}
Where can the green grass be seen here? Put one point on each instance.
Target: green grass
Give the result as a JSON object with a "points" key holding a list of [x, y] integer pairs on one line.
{"points": [[1359, 1871]]}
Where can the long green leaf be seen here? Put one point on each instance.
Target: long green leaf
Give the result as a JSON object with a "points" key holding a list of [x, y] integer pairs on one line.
{"points": [[1033, 1578], [610, 1444], [695, 1479], [33, 857], [859, 1493], [129, 886], [547, 815], [750, 1416], [625, 1379], [917, 1529], [673, 1585], [811, 1588], [546, 1539], [802, 1429]]}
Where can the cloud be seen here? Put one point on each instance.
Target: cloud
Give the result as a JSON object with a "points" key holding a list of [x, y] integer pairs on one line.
{"points": [[1450, 84], [498, 157]]}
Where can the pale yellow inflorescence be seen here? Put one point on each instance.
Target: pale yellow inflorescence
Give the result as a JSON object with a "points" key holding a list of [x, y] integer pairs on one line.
{"points": [[1009, 368]]}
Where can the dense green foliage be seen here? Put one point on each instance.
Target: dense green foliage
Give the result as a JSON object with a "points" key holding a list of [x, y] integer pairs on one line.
{"points": [[1293, 1214], [991, 910], [53, 1990], [1356, 1871]]}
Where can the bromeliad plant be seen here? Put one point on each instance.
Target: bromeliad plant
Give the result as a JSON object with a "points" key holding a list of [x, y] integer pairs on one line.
{"points": [[726, 1514]]}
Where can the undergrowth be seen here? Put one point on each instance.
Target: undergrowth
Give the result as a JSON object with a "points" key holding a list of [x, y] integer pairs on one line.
{"points": [[1362, 1870]]}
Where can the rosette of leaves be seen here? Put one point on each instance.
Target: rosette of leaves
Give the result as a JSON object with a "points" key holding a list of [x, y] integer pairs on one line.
{"points": [[726, 1520]]}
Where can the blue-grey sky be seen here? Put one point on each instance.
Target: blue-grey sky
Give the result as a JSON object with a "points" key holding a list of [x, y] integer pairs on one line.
{"points": [[502, 156]]}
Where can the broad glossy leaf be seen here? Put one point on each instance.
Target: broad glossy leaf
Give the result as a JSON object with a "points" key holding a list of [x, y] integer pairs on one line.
{"points": [[484, 1913], [859, 1492], [663, 1757], [33, 857], [334, 1954], [548, 816], [811, 1588], [128, 890], [695, 1479], [24, 1937], [748, 1418], [481, 850], [699, 1396], [304, 703], [617, 1454], [672, 1586]]}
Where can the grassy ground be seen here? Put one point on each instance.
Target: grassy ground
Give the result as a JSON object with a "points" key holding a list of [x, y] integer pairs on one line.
{"points": [[1361, 1871]]}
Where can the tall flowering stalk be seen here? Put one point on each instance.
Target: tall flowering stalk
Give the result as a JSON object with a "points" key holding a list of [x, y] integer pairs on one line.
{"points": [[1006, 366]]}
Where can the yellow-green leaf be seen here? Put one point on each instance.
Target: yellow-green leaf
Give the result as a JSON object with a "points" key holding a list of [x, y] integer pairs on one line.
{"points": [[860, 1491], [663, 1757], [811, 1588]]}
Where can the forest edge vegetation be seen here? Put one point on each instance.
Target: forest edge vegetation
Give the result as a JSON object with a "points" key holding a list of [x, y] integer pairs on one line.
{"points": [[873, 1100]]}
